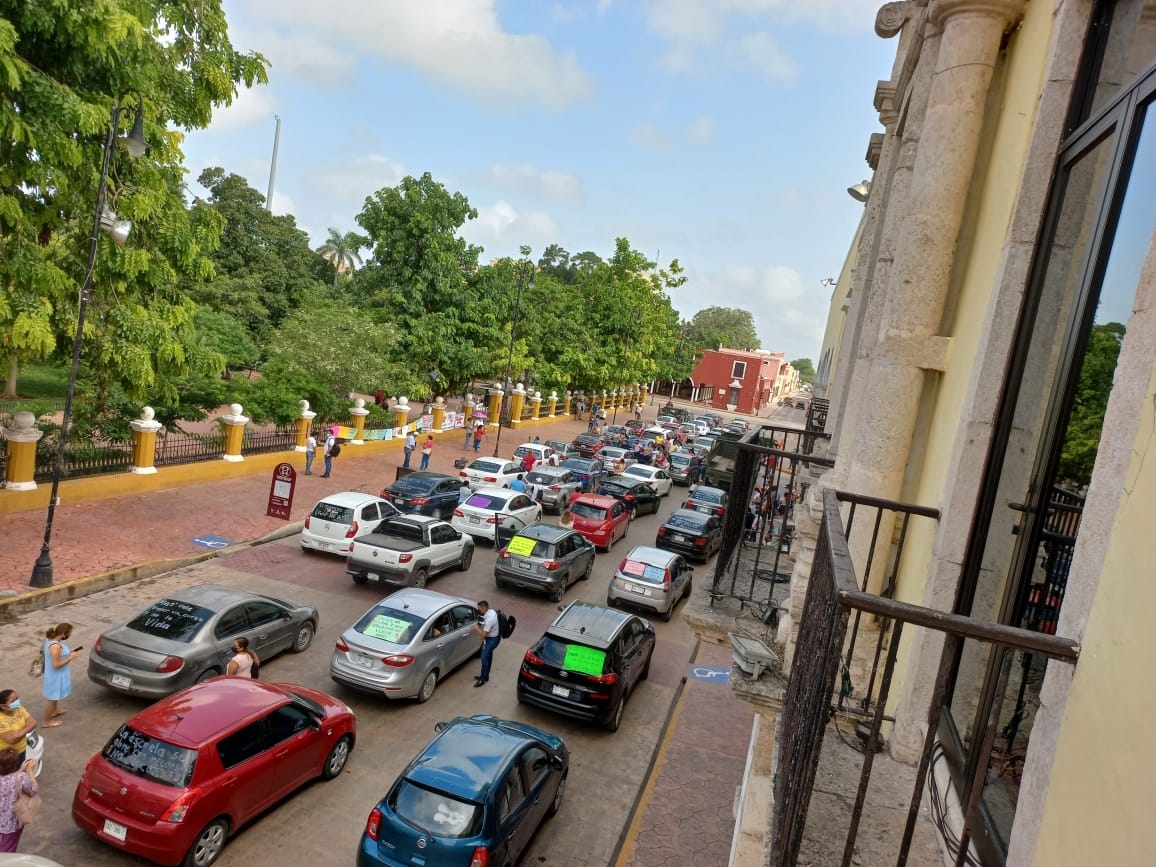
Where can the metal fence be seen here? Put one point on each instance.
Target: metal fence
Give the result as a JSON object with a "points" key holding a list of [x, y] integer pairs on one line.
{"points": [[97, 458], [262, 442], [175, 447]]}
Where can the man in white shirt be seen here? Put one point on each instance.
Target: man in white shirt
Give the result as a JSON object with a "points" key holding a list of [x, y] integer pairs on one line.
{"points": [[488, 629], [310, 453], [329, 444], [410, 445]]}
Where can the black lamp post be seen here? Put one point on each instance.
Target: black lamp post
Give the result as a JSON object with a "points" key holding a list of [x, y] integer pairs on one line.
{"points": [[118, 230], [510, 353]]}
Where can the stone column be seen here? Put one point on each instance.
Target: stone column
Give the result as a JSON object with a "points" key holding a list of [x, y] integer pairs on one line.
{"points": [[357, 414], [21, 434], [304, 424], [517, 399], [569, 397], [235, 423], [495, 410], [536, 400], [439, 413], [641, 394], [553, 404], [144, 442], [468, 409], [401, 415]]}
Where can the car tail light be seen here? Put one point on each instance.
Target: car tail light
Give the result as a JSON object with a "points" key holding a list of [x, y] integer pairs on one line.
{"points": [[397, 660], [490, 479], [555, 487], [662, 531], [629, 497], [404, 558], [462, 474], [491, 520], [177, 809], [170, 663], [385, 495], [420, 501], [373, 823], [531, 658], [351, 533], [503, 554], [607, 679], [342, 646], [480, 858], [458, 513], [666, 582], [700, 541], [96, 647], [551, 565], [719, 510], [308, 518]]}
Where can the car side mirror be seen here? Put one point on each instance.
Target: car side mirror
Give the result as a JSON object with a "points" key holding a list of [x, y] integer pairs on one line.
{"points": [[557, 762]]}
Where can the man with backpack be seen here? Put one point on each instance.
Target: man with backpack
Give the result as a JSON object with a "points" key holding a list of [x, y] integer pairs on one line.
{"points": [[491, 637], [332, 450]]}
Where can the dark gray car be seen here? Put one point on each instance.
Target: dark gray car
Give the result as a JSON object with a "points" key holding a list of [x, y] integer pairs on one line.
{"points": [[546, 559], [188, 637], [552, 487]]}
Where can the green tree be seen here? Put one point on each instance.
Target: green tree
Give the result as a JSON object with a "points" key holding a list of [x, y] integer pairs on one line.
{"points": [[714, 327], [343, 251], [806, 369], [1086, 422], [63, 65]]}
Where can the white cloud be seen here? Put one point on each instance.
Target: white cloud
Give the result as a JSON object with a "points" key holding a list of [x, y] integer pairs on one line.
{"points": [[763, 55], [458, 43], [500, 223], [350, 183], [528, 178], [701, 129], [648, 136], [282, 204], [248, 107]]}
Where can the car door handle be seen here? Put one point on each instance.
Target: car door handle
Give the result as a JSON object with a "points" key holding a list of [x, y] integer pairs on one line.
{"points": [[440, 645], [263, 636]]}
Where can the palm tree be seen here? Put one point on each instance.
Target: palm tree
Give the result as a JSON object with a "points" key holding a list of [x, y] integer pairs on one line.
{"points": [[343, 251]]}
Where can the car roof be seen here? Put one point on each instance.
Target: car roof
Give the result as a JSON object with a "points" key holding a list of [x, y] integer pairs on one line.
{"points": [[588, 624], [545, 532], [211, 596], [412, 519], [652, 556], [707, 489], [548, 470], [422, 476], [195, 715], [595, 500], [689, 515], [420, 601], [348, 499]]}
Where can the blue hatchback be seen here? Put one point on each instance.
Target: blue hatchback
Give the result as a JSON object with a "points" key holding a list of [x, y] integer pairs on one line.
{"points": [[473, 797]]}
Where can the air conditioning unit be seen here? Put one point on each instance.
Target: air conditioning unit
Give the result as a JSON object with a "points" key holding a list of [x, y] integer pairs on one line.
{"points": [[751, 655]]}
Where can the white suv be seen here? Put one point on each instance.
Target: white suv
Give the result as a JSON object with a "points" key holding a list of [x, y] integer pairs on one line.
{"points": [[340, 518]]}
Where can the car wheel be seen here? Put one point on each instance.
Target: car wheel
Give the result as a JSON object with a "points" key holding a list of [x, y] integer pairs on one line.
{"points": [[633, 512], [359, 579], [427, 687], [208, 675], [420, 577], [304, 638], [558, 592], [338, 756], [689, 587], [625, 529], [589, 569], [208, 844], [500, 582], [467, 558], [645, 669], [669, 613], [616, 718], [558, 793], [305, 550]]}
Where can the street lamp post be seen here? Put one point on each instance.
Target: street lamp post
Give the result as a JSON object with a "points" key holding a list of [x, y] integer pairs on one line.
{"points": [[104, 220], [510, 353]]}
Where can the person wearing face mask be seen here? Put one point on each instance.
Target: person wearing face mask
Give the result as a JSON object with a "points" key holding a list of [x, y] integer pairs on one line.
{"points": [[244, 661], [58, 659], [15, 723]]}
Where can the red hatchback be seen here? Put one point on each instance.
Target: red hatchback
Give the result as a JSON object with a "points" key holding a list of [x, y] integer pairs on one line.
{"points": [[602, 520], [183, 775]]}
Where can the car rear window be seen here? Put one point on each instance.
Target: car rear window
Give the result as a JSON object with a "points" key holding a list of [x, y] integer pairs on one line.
{"points": [[585, 510], [413, 486], [144, 756], [685, 522], [705, 496], [615, 489], [525, 546], [543, 479], [489, 502], [680, 460], [333, 513], [487, 466], [171, 619], [389, 624], [436, 813], [572, 656], [643, 572]]}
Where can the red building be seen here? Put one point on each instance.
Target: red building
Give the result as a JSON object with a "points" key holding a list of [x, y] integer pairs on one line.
{"points": [[739, 381]]}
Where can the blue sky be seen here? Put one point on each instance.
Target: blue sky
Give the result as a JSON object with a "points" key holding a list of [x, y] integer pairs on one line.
{"points": [[723, 133]]}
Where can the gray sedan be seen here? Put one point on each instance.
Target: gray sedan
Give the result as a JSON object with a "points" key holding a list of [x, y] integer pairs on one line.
{"points": [[552, 487], [188, 637], [406, 643]]}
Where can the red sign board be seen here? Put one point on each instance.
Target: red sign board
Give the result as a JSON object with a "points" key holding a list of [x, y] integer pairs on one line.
{"points": [[281, 491]]}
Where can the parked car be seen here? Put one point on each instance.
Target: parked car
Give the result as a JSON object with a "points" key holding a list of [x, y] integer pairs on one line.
{"points": [[552, 487], [657, 478], [409, 549], [182, 776], [188, 637], [491, 471], [406, 644], [340, 518], [588, 471], [655, 434], [610, 454], [702, 425], [691, 533], [540, 451], [562, 449], [474, 795], [679, 466], [425, 493], [588, 445], [602, 520], [483, 509], [664, 419], [587, 663], [653, 579], [689, 431], [708, 500], [544, 558], [800, 404], [635, 426], [612, 431], [635, 494]]}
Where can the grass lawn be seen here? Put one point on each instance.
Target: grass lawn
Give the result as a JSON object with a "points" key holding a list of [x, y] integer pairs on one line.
{"points": [[42, 382]]}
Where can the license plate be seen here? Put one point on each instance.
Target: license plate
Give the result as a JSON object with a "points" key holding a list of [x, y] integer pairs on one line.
{"points": [[679, 538], [474, 519], [562, 691], [124, 682], [324, 546], [524, 565], [117, 832], [372, 576], [362, 660]]}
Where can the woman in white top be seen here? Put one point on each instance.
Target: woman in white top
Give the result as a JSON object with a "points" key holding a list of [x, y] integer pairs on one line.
{"points": [[244, 661]]}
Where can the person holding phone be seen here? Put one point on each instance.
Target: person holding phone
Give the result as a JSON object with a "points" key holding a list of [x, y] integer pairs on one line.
{"points": [[58, 659]]}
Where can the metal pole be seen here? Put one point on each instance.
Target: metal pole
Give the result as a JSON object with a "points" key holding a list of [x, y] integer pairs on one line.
{"points": [[273, 165], [42, 570], [510, 354]]}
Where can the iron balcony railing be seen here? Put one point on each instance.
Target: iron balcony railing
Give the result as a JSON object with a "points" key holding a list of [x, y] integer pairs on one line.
{"points": [[836, 593]]}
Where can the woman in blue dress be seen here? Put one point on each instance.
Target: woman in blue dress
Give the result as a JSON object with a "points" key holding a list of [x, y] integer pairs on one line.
{"points": [[58, 659]]}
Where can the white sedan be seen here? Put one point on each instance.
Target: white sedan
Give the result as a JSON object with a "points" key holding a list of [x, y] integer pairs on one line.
{"points": [[479, 514], [656, 478], [483, 472]]}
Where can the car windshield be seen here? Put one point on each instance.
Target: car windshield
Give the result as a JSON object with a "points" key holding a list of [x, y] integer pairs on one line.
{"points": [[685, 522], [572, 656], [304, 700], [639, 472], [389, 624], [616, 488], [434, 812], [486, 466], [580, 466], [489, 502], [680, 460], [144, 756], [333, 513], [703, 495], [544, 478], [588, 439], [557, 445], [411, 485], [525, 546], [171, 619], [585, 510], [643, 572]]}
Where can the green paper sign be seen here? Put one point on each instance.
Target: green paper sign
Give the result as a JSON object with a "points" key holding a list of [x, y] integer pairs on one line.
{"points": [[386, 628], [584, 660], [521, 546]]}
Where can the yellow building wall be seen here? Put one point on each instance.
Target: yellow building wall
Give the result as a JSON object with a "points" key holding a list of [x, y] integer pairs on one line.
{"points": [[836, 312], [1103, 781]]}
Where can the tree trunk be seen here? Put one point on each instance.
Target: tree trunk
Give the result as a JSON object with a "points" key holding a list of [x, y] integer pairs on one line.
{"points": [[10, 379]]}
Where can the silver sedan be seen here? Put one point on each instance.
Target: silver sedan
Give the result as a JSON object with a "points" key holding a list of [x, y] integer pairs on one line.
{"points": [[552, 487], [188, 637], [406, 643]]}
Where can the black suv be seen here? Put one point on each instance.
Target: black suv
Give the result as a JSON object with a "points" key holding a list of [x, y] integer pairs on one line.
{"points": [[587, 663], [425, 493]]}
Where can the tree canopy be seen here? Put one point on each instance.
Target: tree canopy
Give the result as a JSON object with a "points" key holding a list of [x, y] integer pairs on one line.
{"points": [[1086, 422], [715, 327], [806, 369]]}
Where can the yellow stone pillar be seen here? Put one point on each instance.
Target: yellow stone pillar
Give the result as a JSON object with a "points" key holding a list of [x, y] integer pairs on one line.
{"points": [[553, 404], [569, 399], [641, 395], [495, 411], [536, 409], [517, 401], [235, 423], [357, 414], [144, 442], [304, 424], [439, 413], [21, 434], [401, 417]]}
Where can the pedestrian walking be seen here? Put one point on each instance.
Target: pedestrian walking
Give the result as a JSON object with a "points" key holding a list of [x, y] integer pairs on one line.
{"points": [[244, 662], [488, 630], [332, 450], [310, 452], [465, 491], [410, 445], [15, 777], [15, 723], [479, 432], [426, 451], [529, 459], [469, 426], [58, 659]]}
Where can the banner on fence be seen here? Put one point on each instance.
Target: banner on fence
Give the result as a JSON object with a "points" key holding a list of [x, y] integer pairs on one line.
{"points": [[343, 431], [382, 434]]}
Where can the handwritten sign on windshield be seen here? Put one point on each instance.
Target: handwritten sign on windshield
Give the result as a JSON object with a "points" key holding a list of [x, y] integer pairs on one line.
{"points": [[584, 660], [386, 628], [521, 546]]}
